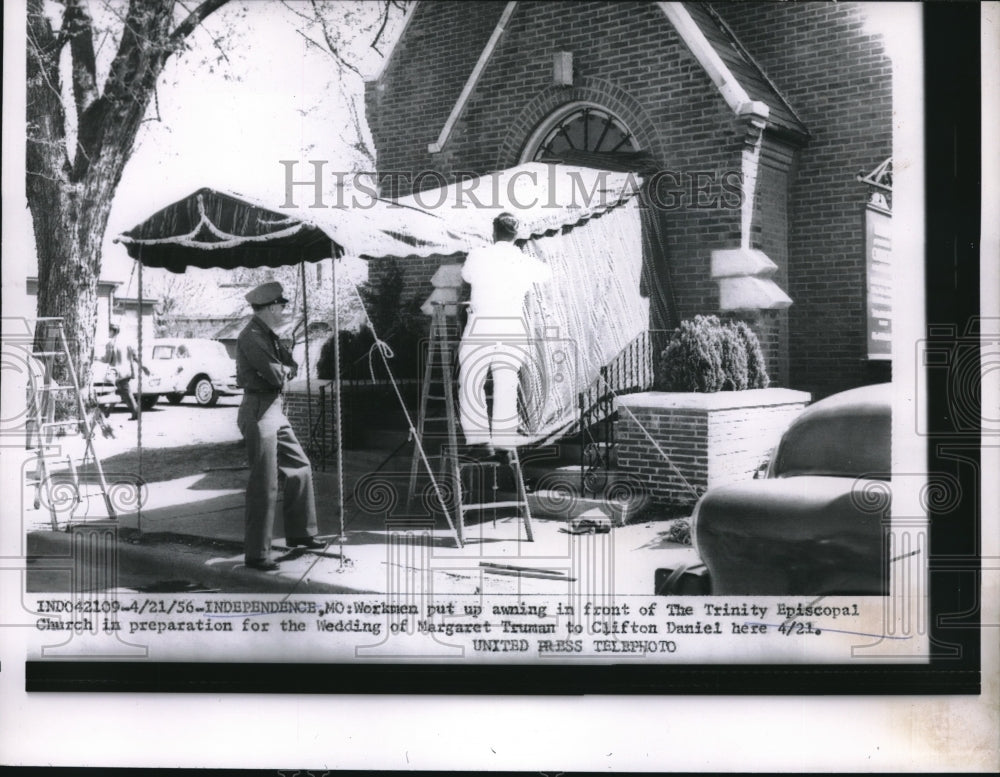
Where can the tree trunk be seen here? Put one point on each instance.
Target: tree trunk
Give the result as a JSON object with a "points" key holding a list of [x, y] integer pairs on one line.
{"points": [[68, 235], [70, 200]]}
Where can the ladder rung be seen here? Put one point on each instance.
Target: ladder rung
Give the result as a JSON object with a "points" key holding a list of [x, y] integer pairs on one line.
{"points": [[488, 463], [74, 422], [55, 388], [488, 505], [47, 353]]}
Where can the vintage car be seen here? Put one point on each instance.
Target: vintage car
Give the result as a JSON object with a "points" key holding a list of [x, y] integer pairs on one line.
{"points": [[193, 367], [815, 524]]}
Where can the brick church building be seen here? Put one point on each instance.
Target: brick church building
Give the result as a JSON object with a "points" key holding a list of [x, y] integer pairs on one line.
{"points": [[765, 129]]}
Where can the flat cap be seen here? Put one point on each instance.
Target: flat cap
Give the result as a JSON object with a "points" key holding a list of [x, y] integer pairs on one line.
{"points": [[266, 293]]}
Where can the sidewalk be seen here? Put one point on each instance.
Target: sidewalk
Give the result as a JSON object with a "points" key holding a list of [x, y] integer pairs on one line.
{"points": [[189, 536]]}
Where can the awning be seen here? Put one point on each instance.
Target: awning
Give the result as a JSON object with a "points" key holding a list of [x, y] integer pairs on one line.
{"points": [[212, 228]]}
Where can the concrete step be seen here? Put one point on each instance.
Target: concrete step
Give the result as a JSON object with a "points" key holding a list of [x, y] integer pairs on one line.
{"points": [[559, 493]]}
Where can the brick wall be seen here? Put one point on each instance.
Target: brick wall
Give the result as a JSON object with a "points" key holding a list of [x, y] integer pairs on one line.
{"points": [[296, 404], [423, 80], [838, 79], [629, 59], [639, 69], [769, 233], [417, 272], [710, 439]]}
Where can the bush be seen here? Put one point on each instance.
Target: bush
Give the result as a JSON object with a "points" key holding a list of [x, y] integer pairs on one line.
{"points": [[705, 355], [692, 360], [734, 359], [757, 376], [400, 324], [354, 347]]}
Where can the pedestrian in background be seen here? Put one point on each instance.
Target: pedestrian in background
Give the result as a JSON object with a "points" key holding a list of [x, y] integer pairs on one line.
{"points": [[122, 356]]}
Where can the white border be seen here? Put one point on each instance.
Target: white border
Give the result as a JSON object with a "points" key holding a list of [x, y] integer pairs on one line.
{"points": [[639, 733]]}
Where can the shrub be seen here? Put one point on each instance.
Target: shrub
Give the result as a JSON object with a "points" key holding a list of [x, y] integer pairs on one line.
{"points": [[734, 359], [398, 323], [354, 347], [757, 376], [692, 360], [706, 355]]}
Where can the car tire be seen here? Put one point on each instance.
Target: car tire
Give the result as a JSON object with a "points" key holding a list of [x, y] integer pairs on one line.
{"points": [[205, 393], [148, 401], [175, 397]]}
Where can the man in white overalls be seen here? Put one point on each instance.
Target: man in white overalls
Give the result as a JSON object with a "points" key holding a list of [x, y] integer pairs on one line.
{"points": [[496, 340]]}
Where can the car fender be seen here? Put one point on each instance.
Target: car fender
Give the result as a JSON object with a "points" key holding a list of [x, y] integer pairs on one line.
{"points": [[807, 536]]}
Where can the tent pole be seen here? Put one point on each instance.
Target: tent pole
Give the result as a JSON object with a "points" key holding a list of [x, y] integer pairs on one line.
{"points": [[138, 408], [338, 433], [305, 318]]}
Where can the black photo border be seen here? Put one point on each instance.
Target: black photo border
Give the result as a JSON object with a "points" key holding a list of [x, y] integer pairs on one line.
{"points": [[953, 195]]}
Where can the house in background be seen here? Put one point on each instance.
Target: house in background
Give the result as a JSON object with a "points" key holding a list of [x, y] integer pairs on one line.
{"points": [[126, 311], [105, 307], [180, 325], [292, 333], [751, 120]]}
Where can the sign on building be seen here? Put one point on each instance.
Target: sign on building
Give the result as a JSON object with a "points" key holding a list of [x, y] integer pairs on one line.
{"points": [[878, 259]]}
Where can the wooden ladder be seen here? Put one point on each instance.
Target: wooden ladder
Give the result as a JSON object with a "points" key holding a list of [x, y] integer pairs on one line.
{"points": [[438, 388]]}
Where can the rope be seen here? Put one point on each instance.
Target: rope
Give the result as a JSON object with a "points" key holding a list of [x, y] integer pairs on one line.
{"points": [[305, 318], [652, 441], [131, 275], [386, 353], [138, 408], [384, 349], [337, 403]]}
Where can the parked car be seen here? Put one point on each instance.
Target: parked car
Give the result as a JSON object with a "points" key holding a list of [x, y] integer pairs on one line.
{"points": [[193, 367], [814, 525]]}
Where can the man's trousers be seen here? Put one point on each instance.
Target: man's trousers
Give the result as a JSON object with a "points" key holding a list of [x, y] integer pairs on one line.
{"points": [[272, 446]]}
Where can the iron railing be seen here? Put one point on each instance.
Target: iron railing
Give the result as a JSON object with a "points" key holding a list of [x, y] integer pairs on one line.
{"points": [[632, 370]]}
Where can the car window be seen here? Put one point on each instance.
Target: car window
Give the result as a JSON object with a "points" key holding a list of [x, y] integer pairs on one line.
{"points": [[163, 351]]}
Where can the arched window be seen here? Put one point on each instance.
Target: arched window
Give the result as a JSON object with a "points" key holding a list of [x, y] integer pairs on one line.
{"points": [[579, 127]]}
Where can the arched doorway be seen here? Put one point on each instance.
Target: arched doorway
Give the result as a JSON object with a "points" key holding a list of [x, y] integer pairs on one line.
{"points": [[587, 134]]}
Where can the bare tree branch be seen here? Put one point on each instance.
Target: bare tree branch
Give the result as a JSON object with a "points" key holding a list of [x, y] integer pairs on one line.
{"points": [[330, 43], [46, 72], [195, 18], [387, 6], [297, 12], [310, 41], [216, 40]]}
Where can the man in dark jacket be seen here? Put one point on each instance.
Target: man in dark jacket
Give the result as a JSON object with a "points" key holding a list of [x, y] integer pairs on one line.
{"points": [[263, 365]]}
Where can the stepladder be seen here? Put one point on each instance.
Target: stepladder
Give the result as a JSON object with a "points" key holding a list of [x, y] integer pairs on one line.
{"points": [[55, 407], [470, 475]]}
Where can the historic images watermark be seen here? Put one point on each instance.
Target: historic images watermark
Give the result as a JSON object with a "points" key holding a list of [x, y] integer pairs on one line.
{"points": [[665, 190]]}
